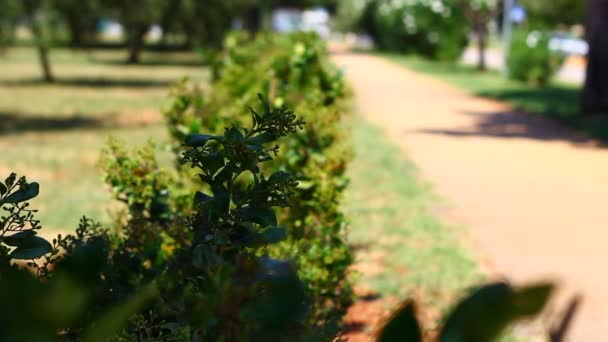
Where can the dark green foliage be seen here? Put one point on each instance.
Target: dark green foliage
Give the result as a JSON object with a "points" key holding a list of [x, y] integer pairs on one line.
{"points": [[481, 317], [9, 16], [18, 226], [552, 13], [167, 273], [402, 325], [294, 71], [530, 60]]}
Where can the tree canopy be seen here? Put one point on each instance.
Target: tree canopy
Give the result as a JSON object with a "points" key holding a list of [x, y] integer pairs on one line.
{"points": [[555, 12]]}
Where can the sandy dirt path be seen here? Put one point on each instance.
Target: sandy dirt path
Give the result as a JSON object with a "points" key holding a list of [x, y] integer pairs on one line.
{"points": [[533, 194]]}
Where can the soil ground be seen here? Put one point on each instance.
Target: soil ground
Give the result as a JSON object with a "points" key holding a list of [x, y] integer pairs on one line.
{"points": [[531, 192]]}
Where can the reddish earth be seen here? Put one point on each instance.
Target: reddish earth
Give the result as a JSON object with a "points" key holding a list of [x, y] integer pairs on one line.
{"points": [[365, 316], [533, 194]]}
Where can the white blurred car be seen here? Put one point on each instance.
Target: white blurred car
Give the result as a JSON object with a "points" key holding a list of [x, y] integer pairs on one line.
{"points": [[567, 44]]}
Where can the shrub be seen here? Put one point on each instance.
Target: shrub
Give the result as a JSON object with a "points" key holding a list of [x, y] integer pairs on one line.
{"points": [[530, 59], [206, 277], [294, 71], [435, 29]]}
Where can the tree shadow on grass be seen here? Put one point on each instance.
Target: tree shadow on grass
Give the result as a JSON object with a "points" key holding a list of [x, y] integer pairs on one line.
{"points": [[93, 82], [151, 63], [516, 125], [556, 102], [18, 123]]}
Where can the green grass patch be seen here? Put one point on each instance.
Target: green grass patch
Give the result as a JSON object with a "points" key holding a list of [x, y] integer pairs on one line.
{"points": [[402, 248], [53, 133], [557, 101]]}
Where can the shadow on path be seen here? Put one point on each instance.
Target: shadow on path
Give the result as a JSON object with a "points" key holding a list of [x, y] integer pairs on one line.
{"points": [[515, 125]]}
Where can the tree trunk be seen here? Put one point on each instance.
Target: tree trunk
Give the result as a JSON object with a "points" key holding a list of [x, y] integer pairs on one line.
{"points": [[43, 55], [252, 20], [76, 33], [482, 37], [37, 18], [595, 92], [136, 43]]}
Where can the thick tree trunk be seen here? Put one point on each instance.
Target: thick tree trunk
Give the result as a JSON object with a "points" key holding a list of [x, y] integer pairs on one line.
{"points": [[136, 43], [482, 37], [595, 92]]}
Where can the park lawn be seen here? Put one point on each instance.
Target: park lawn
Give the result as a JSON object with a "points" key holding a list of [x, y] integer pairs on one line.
{"points": [[54, 133], [403, 250], [557, 101]]}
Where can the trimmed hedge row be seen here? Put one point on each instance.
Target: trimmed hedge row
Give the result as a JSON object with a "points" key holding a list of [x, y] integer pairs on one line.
{"points": [[292, 71]]}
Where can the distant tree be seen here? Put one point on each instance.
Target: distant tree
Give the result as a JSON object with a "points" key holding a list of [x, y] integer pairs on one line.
{"points": [[595, 92], [137, 17], [38, 13], [479, 13], [81, 18], [259, 12], [9, 14], [555, 12]]}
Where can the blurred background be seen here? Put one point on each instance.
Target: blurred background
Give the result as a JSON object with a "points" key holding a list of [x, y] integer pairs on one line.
{"points": [[74, 72]]}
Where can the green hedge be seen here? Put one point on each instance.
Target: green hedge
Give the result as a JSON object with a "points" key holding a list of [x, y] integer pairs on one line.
{"points": [[293, 71]]}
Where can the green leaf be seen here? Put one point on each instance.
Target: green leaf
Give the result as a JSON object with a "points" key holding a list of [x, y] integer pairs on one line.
{"points": [[402, 326], [279, 177], [197, 256], [3, 189], [200, 197], [33, 247], [271, 235], [235, 134], [26, 192], [261, 139], [485, 314], [531, 300], [225, 174], [198, 140], [213, 162], [265, 217], [10, 180], [220, 202], [19, 238]]}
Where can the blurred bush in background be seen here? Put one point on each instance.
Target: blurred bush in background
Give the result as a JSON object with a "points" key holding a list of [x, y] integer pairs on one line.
{"points": [[530, 59], [434, 29]]}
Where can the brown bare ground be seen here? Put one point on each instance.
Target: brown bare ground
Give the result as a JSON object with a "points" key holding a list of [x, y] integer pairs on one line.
{"points": [[534, 194]]}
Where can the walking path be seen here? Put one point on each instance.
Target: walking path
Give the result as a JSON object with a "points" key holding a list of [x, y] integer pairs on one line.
{"points": [[533, 194]]}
